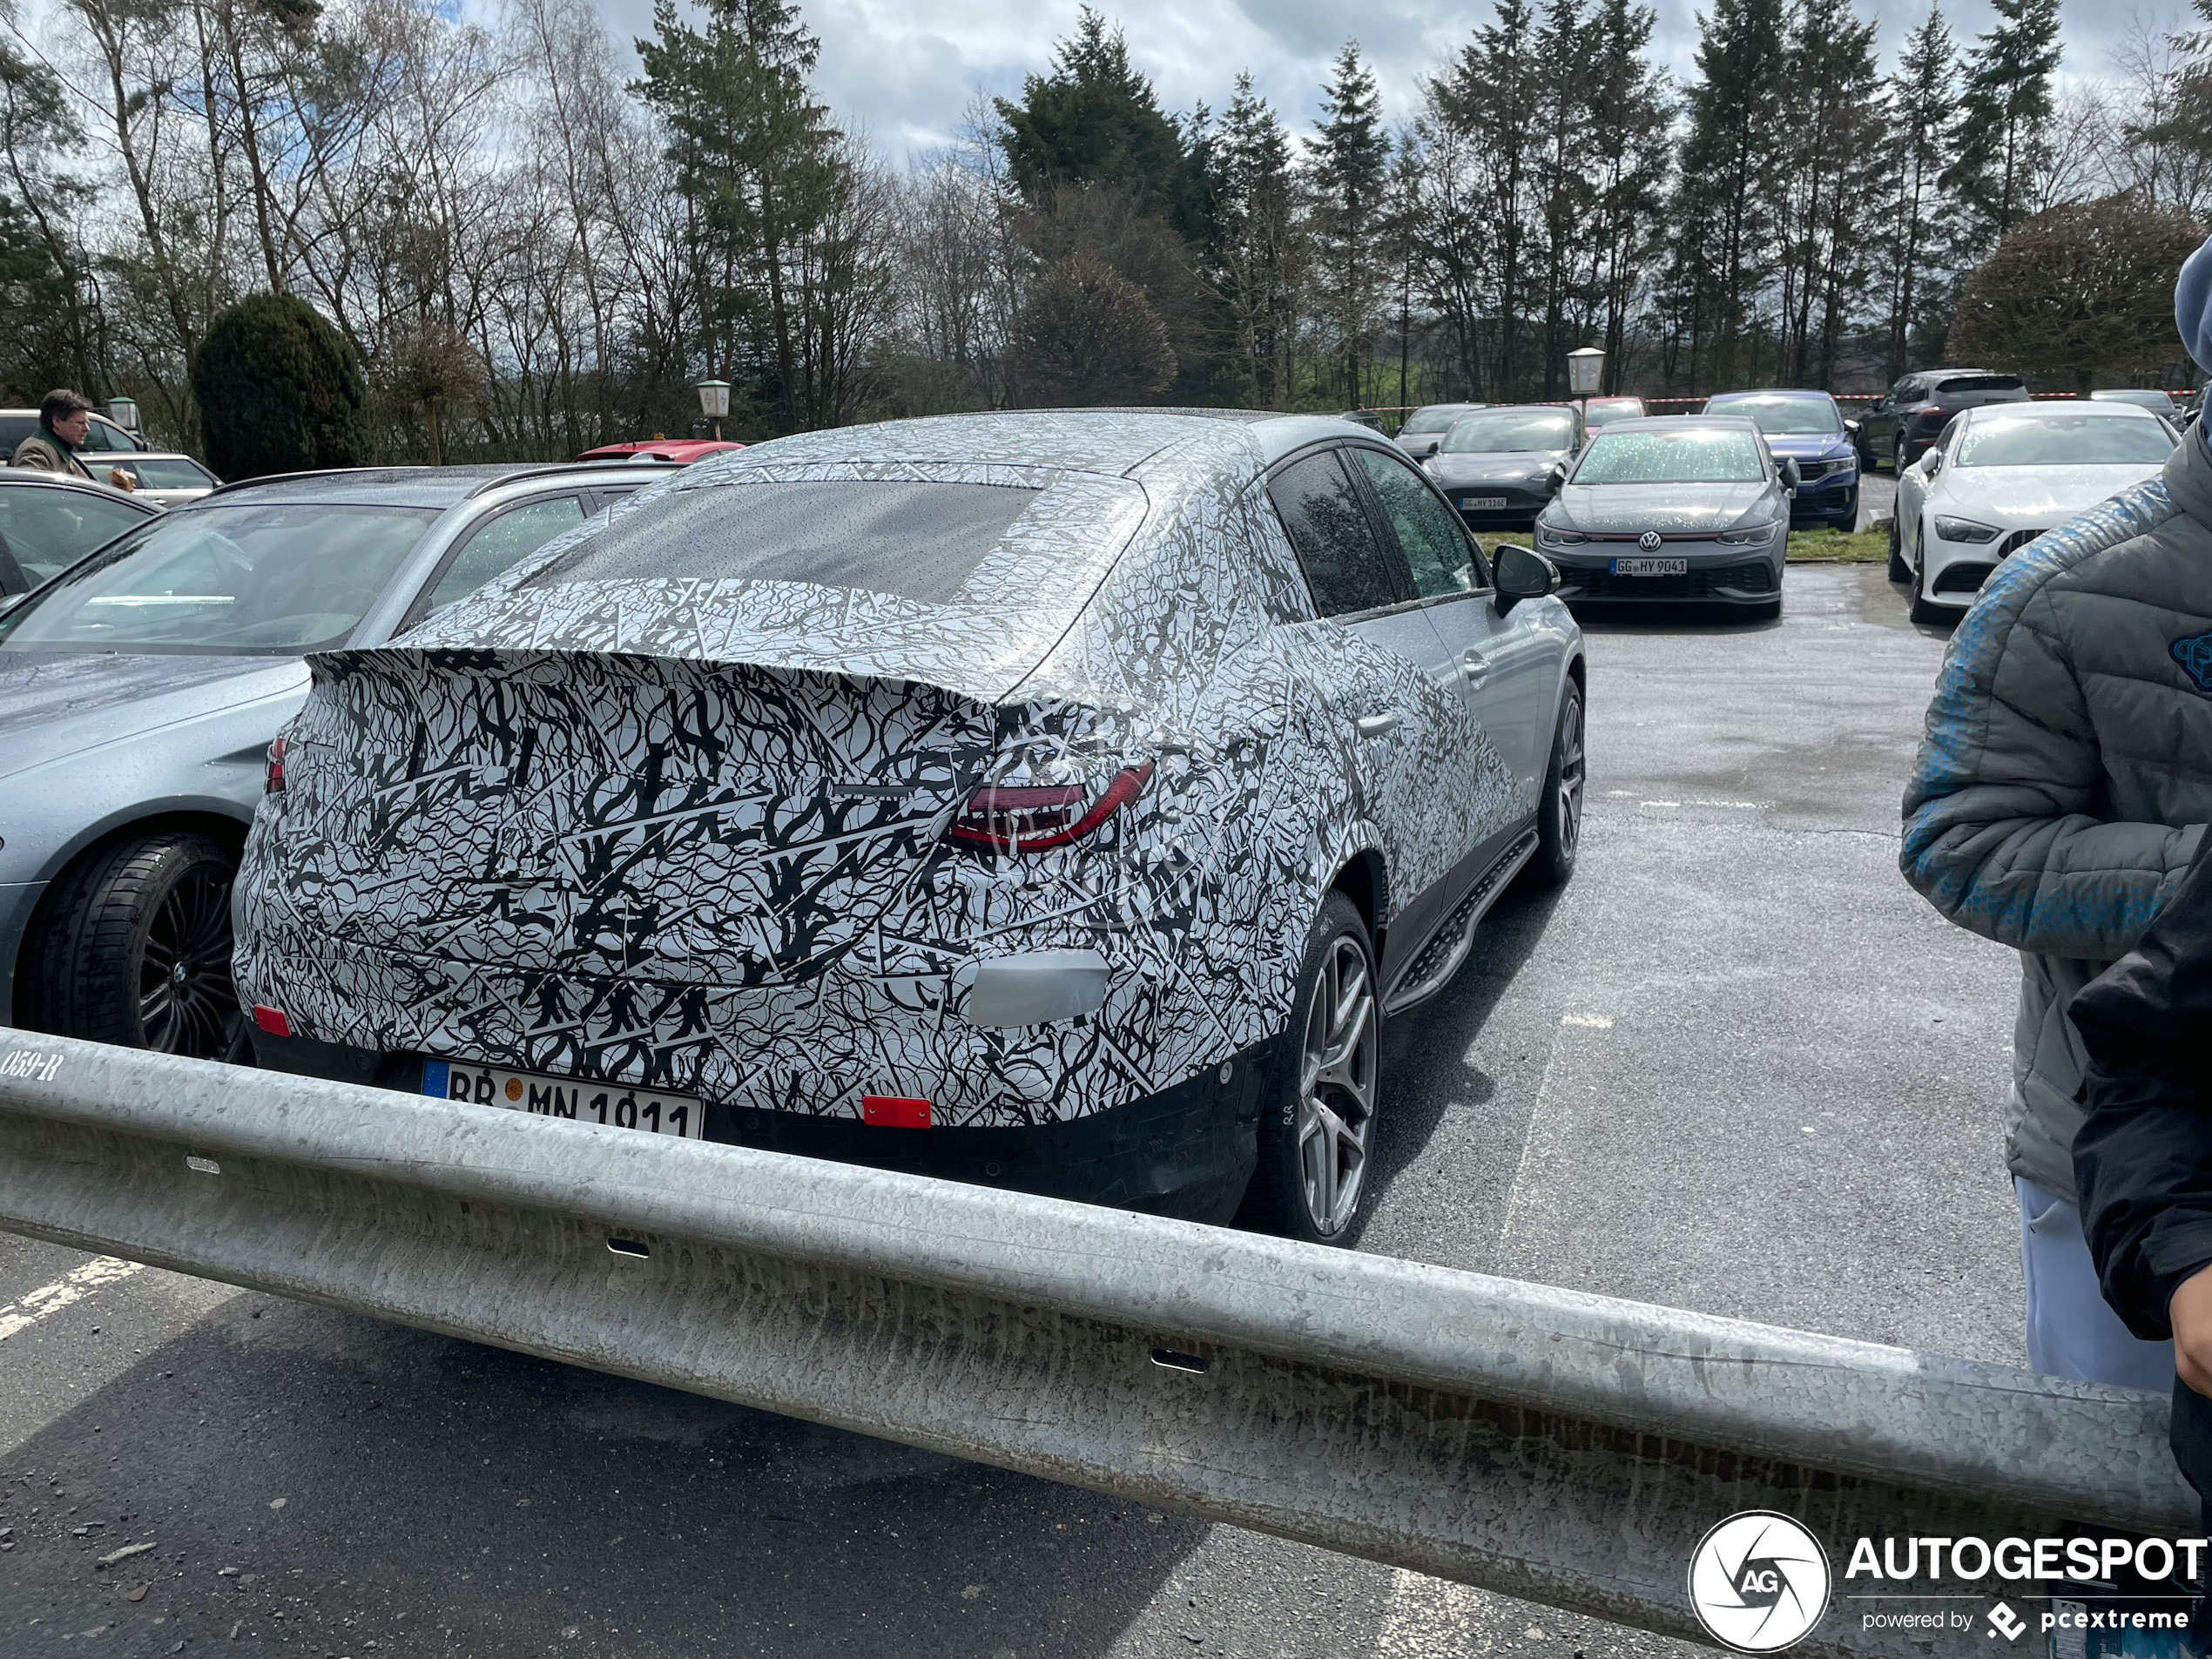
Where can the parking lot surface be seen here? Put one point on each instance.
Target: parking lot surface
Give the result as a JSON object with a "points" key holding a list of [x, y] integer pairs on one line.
{"points": [[1735, 1066]]}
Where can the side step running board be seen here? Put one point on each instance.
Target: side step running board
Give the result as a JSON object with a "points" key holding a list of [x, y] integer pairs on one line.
{"points": [[1432, 969]]}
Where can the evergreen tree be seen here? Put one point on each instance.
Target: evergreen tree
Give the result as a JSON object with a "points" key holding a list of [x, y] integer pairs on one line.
{"points": [[1835, 160], [1916, 244], [1631, 119], [1349, 162], [1259, 245], [1095, 120], [279, 390], [45, 333], [1487, 100], [1733, 180], [1563, 185], [2005, 119], [758, 161]]}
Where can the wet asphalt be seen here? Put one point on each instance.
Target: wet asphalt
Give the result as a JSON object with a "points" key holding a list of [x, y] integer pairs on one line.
{"points": [[1735, 1066]]}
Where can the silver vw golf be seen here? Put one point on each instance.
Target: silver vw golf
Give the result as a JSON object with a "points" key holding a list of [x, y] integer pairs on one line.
{"points": [[1680, 510], [1060, 801]]}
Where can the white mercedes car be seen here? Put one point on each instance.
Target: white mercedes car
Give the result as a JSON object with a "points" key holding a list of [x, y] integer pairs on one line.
{"points": [[1999, 475]]}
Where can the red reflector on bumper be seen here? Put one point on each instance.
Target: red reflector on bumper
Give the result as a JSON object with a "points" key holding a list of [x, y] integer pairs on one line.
{"points": [[272, 1021], [889, 1111]]}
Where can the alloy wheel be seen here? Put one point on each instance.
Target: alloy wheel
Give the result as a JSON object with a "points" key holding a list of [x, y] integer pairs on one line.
{"points": [[1337, 1087], [1568, 805], [187, 1004]]}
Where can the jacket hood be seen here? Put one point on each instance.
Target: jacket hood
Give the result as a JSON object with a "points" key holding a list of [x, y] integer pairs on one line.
{"points": [[2021, 497], [1670, 508], [1494, 466], [2189, 475], [61, 703]]}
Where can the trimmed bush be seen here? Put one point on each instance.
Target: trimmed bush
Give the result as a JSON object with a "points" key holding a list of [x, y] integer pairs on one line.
{"points": [[279, 390]]}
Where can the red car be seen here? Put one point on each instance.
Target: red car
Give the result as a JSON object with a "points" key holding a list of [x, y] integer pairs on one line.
{"points": [[682, 451]]}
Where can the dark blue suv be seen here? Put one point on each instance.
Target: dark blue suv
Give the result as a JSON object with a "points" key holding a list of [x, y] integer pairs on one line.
{"points": [[1806, 428]]}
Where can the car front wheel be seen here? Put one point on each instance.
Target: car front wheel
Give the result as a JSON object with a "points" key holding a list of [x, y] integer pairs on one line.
{"points": [[1317, 1126], [136, 950], [1922, 610], [1559, 826], [1900, 570]]}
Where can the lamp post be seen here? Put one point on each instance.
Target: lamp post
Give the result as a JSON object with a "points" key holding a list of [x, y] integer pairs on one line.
{"points": [[1585, 370], [123, 411], [714, 403]]}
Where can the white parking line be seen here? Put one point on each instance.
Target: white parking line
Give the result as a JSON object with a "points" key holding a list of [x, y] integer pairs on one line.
{"points": [[72, 1286], [1528, 1223], [1425, 1618]]}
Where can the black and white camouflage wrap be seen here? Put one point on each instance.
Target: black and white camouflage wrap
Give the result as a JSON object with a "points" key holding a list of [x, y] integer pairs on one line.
{"points": [[689, 833]]}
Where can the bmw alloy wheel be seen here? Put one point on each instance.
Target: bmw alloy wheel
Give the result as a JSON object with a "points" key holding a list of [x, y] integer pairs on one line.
{"points": [[1338, 1071], [187, 1003]]}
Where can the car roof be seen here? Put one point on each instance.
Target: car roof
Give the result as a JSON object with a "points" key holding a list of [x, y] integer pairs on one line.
{"points": [[1717, 422], [1113, 441], [432, 487], [1775, 391], [33, 478], [2107, 408]]}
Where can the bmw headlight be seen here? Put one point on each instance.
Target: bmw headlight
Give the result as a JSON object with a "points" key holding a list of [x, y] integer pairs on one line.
{"points": [[1552, 535], [1965, 529], [1755, 535]]}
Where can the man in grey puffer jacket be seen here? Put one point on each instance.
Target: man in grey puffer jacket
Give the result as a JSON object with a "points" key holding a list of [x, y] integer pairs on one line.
{"points": [[2063, 782]]}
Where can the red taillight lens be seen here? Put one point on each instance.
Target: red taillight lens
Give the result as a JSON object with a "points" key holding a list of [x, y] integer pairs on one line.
{"points": [[1032, 819], [272, 782]]}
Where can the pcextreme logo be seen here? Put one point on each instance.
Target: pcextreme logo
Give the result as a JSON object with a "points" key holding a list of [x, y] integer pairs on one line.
{"points": [[1758, 1581]]}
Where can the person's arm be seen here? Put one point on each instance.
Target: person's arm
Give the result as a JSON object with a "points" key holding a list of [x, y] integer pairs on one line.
{"points": [[2143, 1159], [2001, 828]]}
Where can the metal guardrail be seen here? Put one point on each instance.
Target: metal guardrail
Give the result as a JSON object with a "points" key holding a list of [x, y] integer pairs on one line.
{"points": [[1568, 1448]]}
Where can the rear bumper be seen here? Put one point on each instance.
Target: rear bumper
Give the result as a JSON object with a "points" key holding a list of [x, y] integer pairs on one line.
{"points": [[1187, 1151]]}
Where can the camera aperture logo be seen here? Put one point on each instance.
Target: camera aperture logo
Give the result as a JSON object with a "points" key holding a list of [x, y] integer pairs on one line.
{"points": [[1758, 1581]]}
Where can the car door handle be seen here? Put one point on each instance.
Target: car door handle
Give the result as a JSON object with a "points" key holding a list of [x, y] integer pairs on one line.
{"points": [[1473, 666], [1373, 726]]}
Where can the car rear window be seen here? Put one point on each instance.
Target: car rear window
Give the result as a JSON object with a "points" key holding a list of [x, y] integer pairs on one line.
{"points": [[2066, 440], [912, 541], [1956, 384], [1436, 418], [1684, 455], [1510, 431], [171, 473]]}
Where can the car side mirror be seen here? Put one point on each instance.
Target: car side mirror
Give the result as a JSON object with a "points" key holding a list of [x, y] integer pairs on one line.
{"points": [[1558, 474], [1851, 425], [1523, 573], [1792, 479]]}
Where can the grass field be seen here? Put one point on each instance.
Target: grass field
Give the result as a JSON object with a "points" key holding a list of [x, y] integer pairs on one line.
{"points": [[1867, 547]]}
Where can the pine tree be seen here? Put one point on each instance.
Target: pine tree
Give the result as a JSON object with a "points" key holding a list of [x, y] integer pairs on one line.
{"points": [[1487, 101], [1260, 245], [1563, 184], [1348, 163], [1726, 228], [1631, 118], [1923, 100], [2005, 119], [1095, 120], [1835, 160]]}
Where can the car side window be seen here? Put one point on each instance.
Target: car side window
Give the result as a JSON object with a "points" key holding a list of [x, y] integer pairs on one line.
{"points": [[1435, 544], [49, 529], [1328, 524], [496, 545]]}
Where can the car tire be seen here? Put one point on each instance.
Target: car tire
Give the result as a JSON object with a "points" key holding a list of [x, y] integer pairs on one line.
{"points": [[1316, 1109], [1922, 610], [1898, 462], [1846, 523], [135, 949], [1900, 570], [1558, 825]]}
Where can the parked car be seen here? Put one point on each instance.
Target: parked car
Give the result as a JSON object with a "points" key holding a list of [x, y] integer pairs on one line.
{"points": [[1057, 800], [1500, 467], [2149, 398], [1806, 428], [140, 687], [1596, 411], [1900, 425], [1673, 510], [1425, 427], [48, 523], [682, 451], [1999, 477], [168, 479], [104, 437]]}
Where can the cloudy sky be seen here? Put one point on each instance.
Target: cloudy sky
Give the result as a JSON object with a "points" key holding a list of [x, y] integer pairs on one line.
{"points": [[904, 69]]}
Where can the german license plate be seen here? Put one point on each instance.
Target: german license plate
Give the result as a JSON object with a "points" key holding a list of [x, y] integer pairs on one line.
{"points": [[580, 1101], [1482, 503], [1650, 567]]}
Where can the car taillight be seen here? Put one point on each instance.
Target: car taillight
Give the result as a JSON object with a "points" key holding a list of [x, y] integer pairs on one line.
{"points": [[273, 782], [1031, 819]]}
